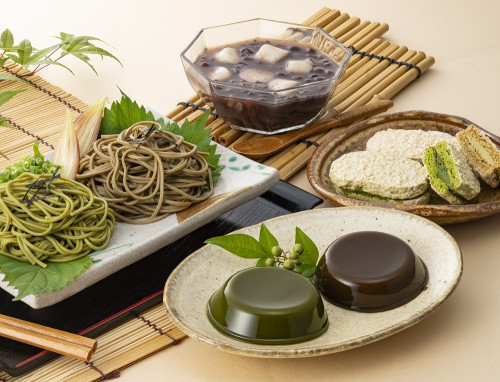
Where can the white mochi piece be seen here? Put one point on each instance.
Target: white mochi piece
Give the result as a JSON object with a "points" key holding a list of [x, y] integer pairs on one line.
{"points": [[299, 66], [220, 74], [256, 75], [227, 56], [270, 54], [280, 84]]}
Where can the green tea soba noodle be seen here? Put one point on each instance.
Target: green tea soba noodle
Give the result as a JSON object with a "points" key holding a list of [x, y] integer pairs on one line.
{"points": [[146, 174], [50, 219]]}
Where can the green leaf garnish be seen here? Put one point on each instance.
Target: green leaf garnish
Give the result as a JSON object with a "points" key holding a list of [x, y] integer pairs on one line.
{"points": [[239, 244], [124, 113], [266, 239], [8, 94], [6, 41], [33, 279], [8, 77], [311, 253], [247, 247]]}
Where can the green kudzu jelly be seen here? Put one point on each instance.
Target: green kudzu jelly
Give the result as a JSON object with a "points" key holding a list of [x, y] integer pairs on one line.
{"points": [[268, 306]]}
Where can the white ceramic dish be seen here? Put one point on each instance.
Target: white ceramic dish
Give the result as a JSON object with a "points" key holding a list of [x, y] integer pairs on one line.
{"points": [[192, 283], [241, 180]]}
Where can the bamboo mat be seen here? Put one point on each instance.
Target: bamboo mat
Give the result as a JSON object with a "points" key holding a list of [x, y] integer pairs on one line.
{"points": [[38, 113], [130, 342]]}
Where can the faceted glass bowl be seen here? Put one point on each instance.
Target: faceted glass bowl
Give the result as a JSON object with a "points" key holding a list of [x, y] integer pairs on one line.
{"points": [[265, 111]]}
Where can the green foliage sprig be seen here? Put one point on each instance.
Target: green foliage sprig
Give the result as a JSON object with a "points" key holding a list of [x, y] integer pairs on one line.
{"points": [[301, 259], [34, 60]]}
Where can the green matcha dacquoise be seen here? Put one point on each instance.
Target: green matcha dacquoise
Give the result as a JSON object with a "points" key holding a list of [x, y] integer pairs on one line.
{"points": [[450, 175]]}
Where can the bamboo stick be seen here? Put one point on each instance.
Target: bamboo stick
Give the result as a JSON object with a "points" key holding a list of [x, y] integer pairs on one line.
{"points": [[179, 108], [364, 75], [354, 31], [316, 16], [324, 20], [345, 27], [356, 62], [230, 136], [335, 23], [387, 77], [186, 111], [411, 75]]}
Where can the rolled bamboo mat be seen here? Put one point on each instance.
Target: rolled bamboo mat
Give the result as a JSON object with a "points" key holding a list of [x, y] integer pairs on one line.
{"points": [[37, 114], [132, 341]]}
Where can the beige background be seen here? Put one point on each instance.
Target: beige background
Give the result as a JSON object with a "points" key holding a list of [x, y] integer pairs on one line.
{"points": [[460, 341]]}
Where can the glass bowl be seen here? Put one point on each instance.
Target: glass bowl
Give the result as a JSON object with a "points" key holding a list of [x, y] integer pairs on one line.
{"points": [[257, 106], [268, 305]]}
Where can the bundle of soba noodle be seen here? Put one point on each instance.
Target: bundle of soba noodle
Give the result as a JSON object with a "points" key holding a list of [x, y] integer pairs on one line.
{"points": [[46, 218], [145, 173]]}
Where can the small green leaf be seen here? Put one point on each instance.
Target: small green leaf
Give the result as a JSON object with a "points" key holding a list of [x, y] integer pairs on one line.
{"points": [[309, 272], [3, 60], [33, 279], [6, 40], [262, 261], [8, 94], [311, 253], [266, 239], [239, 244], [80, 47], [8, 77], [4, 123], [24, 51]]}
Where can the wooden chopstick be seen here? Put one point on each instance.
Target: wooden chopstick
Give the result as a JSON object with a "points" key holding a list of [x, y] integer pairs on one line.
{"points": [[58, 341]]}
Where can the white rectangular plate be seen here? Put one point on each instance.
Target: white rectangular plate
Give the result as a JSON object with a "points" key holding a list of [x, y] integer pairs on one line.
{"points": [[241, 180]]}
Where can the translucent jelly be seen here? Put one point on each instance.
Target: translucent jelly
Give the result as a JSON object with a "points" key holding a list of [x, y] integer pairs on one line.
{"points": [[268, 306], [370, 271]]}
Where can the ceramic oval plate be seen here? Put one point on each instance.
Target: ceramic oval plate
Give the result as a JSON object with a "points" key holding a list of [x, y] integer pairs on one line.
{"points": [[355, 137], [192, 283]]}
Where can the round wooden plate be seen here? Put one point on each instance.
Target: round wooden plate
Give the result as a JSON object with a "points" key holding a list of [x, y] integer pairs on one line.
{"points": [[355, 137]]}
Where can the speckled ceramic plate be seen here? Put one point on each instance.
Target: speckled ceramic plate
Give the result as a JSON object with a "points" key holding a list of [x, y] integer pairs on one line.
{"points": [[354, 139], [190, 286]]}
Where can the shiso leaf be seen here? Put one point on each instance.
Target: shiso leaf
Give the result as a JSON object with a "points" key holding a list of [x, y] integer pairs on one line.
{"points": [[33, 279], [123, 114], [239, 244], [266, 239], [311, 253]]}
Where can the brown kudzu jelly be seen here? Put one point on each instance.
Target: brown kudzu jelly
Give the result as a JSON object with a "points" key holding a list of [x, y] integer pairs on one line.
{"points": [[370, 271]]}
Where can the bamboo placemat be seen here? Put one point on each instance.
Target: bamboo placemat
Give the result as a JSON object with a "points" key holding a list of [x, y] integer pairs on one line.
{"points": [[38, 113], [130, 342]]}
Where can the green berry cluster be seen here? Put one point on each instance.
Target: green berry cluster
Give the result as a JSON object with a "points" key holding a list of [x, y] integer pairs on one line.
{"points": [[288, 260], [35, 164]]}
